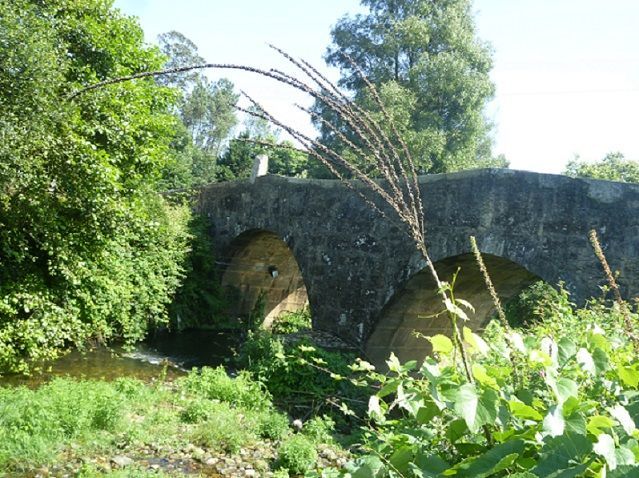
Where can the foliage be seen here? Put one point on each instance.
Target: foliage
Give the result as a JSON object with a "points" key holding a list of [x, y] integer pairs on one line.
{"points": [[537, 301], [431, 73], [88, 250], [83, 421], [556, 400], [319, 429], [291, 322], [237, 161], [298, 373], [230, 429], [199, 301], [297, 454], [206, 113], [215, 384], [613, 167]]}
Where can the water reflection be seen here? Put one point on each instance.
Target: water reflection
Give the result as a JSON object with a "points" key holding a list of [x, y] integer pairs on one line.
{"points": [[163, 354]]}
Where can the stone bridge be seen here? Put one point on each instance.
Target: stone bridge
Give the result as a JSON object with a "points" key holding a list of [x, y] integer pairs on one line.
{"points": [[292, 242]]}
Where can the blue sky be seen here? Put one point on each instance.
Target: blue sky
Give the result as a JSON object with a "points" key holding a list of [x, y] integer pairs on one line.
{"points": [[566, 71]]}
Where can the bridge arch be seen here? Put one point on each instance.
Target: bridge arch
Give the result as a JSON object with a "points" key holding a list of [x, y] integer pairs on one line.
{"points": [[262, 271], [415, 306]]}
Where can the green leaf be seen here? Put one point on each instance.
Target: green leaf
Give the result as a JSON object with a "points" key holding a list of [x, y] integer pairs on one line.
{"points": [[466, 304], [623, 417], [393, 363], [586, 361], [560, 454], [456, 429], [401, 458], [521, 410], [566, 349], [602, 362], [495, 460], [441, 344], [427, 412], [554, 423], [477, 344], [455, 310], [598, 423], [629, 375], [480, 374], [476, 410], [566, 388], [430, 466], [605, 447], [366, 467]]}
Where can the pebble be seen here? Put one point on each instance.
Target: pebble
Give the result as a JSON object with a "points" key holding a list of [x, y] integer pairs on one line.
{"points": [[121, 460]]}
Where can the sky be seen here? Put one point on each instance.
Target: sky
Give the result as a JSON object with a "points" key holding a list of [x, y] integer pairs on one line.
{"points": [[566, 71]]}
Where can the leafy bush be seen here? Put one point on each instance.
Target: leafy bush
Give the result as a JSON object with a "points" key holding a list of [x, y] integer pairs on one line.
{"points": [[199, 301], [215, 383], [558, 399], [535, 302], [320, 429], [226, 429], [196, 411], [89, 250], [299, 372], [297, 454], [291, 322], [34, 424], [272, 425]]}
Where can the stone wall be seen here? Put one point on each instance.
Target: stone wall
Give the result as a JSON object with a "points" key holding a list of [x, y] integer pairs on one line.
{"points": [[354, 262]]}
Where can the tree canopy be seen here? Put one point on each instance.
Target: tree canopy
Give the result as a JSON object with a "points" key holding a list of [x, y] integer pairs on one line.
{"points": [[613, 167], [432, 74], [88, 249]]}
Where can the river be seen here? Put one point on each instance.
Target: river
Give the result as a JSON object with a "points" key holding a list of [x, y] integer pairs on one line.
{"points": [[172, 354]]}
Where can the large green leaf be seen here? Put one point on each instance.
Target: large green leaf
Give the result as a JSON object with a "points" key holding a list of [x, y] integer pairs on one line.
{"points": [[495, 460], [567, 350], [521, 410], [431, 466], [366, 467], [476, 410], [560, 454], [605, 447]]}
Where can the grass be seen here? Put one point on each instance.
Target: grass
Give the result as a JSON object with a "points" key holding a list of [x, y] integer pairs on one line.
{"points": [[87, 422]]}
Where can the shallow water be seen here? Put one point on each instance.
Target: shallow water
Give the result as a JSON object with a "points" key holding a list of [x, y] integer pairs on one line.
{"points": [[172, 354]]}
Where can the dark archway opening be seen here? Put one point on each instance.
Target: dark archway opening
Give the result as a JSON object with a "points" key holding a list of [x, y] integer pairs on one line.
{"points": [[416, 306], [265, 277]]}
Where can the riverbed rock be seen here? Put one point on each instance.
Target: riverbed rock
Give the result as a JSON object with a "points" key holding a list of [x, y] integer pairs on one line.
{"points": [[122, 461]]}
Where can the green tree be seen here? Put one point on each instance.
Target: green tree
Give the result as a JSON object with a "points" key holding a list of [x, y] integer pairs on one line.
{"points": [[206, 110], [432, 74], [284, 159], [613, 167], [88, 248]]}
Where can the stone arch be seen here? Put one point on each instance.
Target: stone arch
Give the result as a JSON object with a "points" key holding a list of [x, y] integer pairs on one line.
{"points": [[260, 266], [415, 306]]}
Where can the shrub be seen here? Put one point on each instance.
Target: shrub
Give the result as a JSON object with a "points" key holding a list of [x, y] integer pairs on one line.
{"points": [[300, 372], [272, 425], [559, 398], [320, 429], [534, 303], [215, 383], [226, 429], [297, 454], [196, 411], [291, 322]]}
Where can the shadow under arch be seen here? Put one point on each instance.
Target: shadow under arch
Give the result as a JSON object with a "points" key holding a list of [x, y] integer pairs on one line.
{"points": [[260, 266], [414, 308]]}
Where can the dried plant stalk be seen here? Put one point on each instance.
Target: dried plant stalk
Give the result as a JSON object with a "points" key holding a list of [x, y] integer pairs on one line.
{"points": [[612, 283], [489, 283]]}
